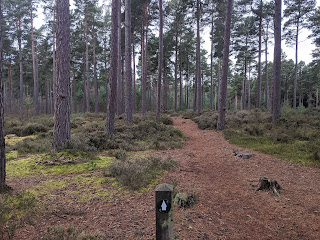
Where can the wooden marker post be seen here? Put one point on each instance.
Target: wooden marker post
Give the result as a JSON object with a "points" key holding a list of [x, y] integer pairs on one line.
{"points": [[164, 212]]}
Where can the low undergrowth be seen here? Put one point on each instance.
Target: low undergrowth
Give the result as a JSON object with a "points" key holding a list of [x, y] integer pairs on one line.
{"points": [[15, 210], [294, 137], [138, 172], [88, 134], [71, 233]]}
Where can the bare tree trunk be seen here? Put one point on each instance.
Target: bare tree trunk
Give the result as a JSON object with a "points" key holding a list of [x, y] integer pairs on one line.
{"points": [[10, 85], [113, 68], [160, 59], [211, 66], [224, 80], [61, 133], [87, 85], [317, 99], [219, 82], [176, 72], [187, 85], [74, 92], [34, 67], [181, 79], [54, 63], [2, 139], [296, 71], [259, 59], [235, 101], [106, 74], [128, 62], [119, 86], [198, 66], [165, 88], [277, 63], [143, 63], [249, 89], [268, 103], [134, 105], [21, 93], [244, 81], [96, 89]]}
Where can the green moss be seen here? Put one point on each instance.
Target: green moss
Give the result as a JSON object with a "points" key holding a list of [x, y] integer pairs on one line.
{"points": [[303, 152], [12, 140], [29, 167], [11, 155]]}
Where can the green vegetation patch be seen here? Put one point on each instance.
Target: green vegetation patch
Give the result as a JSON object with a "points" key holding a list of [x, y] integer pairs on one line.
{"points": [[71, 233], [74, 189], [88, 134], [294, 137], [15, 210], [30, 166], [140, 172]]}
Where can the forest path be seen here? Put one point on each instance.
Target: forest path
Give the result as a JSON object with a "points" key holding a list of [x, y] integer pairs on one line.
{"points": [[229, 207]]}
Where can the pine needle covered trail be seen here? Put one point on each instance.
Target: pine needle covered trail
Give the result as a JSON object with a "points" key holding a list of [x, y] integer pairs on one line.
{"points": [[227, 203], [229, 206]]}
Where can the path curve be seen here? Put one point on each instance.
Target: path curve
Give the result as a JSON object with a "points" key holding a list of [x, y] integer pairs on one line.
{"points": [[228, 206]]}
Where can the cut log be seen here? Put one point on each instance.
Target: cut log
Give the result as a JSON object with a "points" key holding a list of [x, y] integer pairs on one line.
{"points": [[244, 155], [267, 184]]}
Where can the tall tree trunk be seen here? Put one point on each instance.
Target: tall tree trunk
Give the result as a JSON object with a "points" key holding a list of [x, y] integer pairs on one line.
{"points": [[106, 74], [176, 72], [47, 96], [160, 60], [74, 91], [21, 92], [119, 86], [87, 85], [219, 82], [296, 71], [2, 140], [144, 62], [259, 59], [61, 133], [134, 99], [224, 80], [34, 67], [10, 85], [211, 66], [54, 63], [181, 79], [198, 66], [249, 89], [96, 89], [113, 68], [165, 88], [277, 63], [244, 81], [267, 74], [128, 62], [187, 84]]}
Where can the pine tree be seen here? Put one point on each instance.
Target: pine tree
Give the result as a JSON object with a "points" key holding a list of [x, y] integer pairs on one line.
{"points": [[128, 62], [224, 79], [297, 12], [113, 69], [160, 60], [61, 132], [2, 140], [276, 95]]}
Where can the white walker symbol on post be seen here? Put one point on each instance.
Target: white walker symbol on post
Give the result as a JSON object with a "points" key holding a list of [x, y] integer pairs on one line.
{"points": [[163, 206]]}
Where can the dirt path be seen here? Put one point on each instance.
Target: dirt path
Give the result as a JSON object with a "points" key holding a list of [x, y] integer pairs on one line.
{"points": [[228, 206]]}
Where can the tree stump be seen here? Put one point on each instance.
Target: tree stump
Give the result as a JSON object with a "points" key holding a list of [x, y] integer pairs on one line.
{"points": [[267, 184]]}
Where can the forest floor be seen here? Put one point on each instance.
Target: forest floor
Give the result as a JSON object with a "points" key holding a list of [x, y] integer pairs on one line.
{"points": [[227, 207]]}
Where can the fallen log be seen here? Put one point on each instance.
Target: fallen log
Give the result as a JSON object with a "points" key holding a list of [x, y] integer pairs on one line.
{"points": [[244, 155]]}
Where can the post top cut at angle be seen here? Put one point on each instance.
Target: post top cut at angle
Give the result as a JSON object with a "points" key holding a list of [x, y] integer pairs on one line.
{"points": [[164, 187]]}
